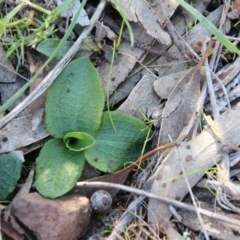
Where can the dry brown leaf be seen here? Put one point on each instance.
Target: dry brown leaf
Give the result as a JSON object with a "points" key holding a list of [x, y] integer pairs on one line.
{"points": [[140, 11], [8, 90], [163, 86], [234, 14], [134, 98], [198, 32], [126, 60], [180, 105], [196, 155], [121, 175], [142, 98], [18, 133], [82, 20], [165, 8]]}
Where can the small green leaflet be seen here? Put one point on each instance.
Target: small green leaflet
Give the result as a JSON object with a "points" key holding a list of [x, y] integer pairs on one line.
{"points": [[10, 170]]}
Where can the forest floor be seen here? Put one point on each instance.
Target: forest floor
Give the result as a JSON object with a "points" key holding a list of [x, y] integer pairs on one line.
{"points": [[158, 104]]}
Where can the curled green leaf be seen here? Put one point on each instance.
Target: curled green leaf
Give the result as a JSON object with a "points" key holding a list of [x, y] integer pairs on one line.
{"points": [[78, 141]]}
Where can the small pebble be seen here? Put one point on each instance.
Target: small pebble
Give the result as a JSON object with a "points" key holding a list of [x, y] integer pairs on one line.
{"points": [[101, 201]]}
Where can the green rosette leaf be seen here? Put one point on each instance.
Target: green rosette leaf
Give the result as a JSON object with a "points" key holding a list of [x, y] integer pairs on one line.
{"points": [[48, 46], [113, 149], [75, 100], [10, 170], [78, 141], [57, 169]]}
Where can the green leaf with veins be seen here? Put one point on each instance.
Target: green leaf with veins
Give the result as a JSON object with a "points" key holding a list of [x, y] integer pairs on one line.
{"points": [[113, 149], [75, 100], [10, 170], [48, 46], [57, 169], [75, 118]]}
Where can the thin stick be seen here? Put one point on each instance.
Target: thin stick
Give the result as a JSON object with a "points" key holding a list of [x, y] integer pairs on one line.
{"points": [[148, 154], [169, 201], [210, 89]]}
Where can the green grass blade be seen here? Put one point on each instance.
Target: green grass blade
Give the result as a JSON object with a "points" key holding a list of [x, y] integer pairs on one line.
{"points": [[123, 15], [218, 34], [108, 82], [11, 14], [12, 99]]}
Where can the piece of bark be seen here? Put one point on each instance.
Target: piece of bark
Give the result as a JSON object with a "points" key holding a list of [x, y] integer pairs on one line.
{"points": [[59, 219]]}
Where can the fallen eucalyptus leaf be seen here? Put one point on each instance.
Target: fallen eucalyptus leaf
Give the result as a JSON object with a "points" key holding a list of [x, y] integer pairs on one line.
{"points": [[18, 133], [140, 11], [142, 98], [164, 85]]}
